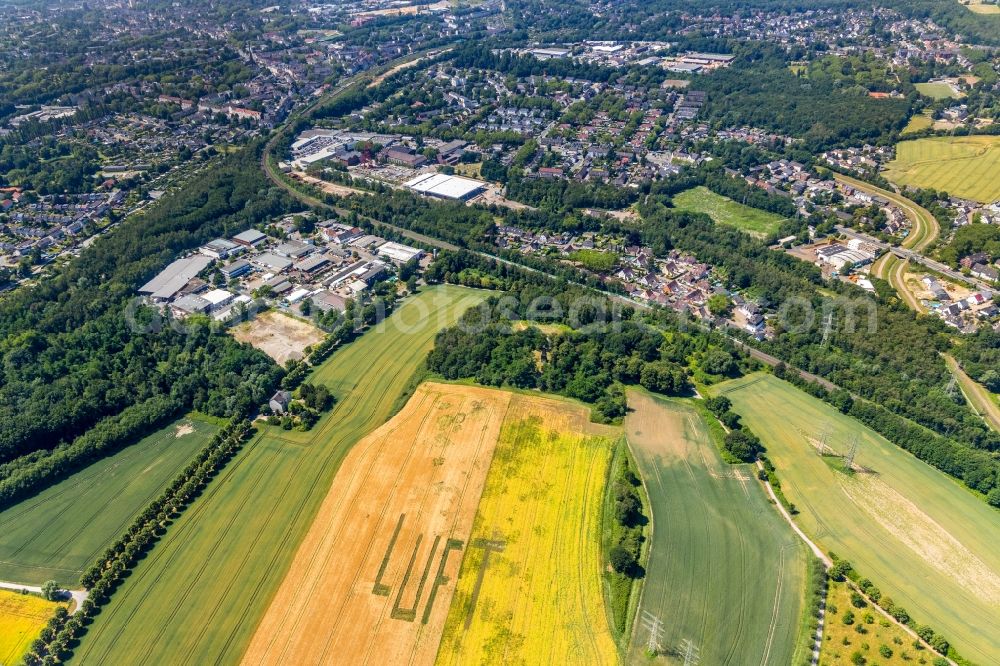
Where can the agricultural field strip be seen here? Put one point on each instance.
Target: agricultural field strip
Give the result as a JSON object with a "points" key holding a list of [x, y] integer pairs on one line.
{"points": [[702, 471], [369, 370], [959, 564], [74, 495], [963, 166], [520, 612], [978, 395]]}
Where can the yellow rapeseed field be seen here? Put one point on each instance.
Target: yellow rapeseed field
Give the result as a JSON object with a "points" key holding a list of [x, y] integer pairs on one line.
{"points": [[22, 618], [538, 599]]}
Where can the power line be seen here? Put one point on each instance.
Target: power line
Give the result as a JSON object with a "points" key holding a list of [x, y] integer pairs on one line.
{"points": [[654, 625], [690, 652]]}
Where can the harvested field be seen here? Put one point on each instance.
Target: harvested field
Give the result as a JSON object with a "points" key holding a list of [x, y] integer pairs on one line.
{"points": [[22, 618], [529, 591], [372, 581], [279, 336]]}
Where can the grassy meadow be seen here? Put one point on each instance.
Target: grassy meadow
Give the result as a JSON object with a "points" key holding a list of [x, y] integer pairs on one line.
{"points": [[936, 90], [724, 571], [199, 595], [926, 541], [22, 618], [540, 599], [963, 166], [726, 211], [918, 122], [59, 532]]}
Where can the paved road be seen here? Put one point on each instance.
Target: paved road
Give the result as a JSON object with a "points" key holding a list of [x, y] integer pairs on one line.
{"points": [[925, 226], [78, 596]]}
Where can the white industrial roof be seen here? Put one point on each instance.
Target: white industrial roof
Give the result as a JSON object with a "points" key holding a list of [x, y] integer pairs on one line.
{"points": [[173, 278], [443, 185], [217, 296]]}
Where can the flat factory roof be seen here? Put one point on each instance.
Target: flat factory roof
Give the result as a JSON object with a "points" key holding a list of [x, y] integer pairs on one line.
{"points": [[172, 279], [443, 185]]}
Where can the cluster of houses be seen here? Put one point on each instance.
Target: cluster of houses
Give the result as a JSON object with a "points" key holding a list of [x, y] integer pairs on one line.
{"points": [[327, 268], [966, 313], [677, 281], [48, 223]]}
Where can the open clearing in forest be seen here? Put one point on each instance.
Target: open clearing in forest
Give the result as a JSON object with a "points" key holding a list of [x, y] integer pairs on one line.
{"points": [[22, 618], [529, 591], [925, 540], [726, 211], [371, 581], [963, 166], [200, 594], [279, 336], [724, 571], [59, 532]]}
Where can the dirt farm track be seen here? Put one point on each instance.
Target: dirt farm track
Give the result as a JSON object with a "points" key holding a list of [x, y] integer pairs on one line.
{"points": [[368, 584]]}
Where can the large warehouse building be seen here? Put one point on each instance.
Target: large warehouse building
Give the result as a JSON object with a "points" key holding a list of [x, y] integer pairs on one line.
{"points": [[444, 186]]}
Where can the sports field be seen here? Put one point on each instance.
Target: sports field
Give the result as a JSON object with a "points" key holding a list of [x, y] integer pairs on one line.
{"points": [[202, 591], [937, 90], [22, 618], [529, 591], [982, 8], [963, 166], [57, 533], [927, 542], [726, 211], [373, 579], [724, 571]]}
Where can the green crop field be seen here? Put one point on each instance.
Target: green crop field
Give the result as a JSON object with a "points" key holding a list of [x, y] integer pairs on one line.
{"points": [[927, 542], [199, 595], [724, 569], [726, 211], [57, 533], [918, 122], [963, 166], [936, 90]]}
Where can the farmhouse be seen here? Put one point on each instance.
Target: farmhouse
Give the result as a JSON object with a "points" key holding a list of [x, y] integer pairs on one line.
{"points": [[279, 402]]}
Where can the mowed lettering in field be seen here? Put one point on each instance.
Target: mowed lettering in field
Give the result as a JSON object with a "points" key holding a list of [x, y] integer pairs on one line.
{"points": [[374, 577]]}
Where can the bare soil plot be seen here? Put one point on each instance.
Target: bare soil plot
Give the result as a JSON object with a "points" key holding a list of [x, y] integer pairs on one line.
{"points": [[279, 336], [373, 580]]}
